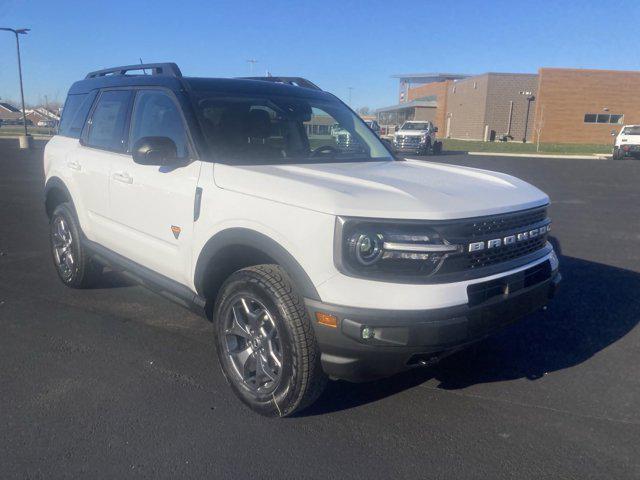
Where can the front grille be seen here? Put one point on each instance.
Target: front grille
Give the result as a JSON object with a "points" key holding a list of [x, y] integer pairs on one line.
{"points": [[347, 143], [502, 223], [504, 254], [463, 232], [406, 140]]}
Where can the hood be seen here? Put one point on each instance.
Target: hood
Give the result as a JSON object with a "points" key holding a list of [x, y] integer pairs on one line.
{"points": [[412, 133], [408, 189]]}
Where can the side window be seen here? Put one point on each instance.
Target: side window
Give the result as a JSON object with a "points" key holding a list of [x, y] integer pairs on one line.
{"points": [[108, 121], [74, 114], [156, 115]]}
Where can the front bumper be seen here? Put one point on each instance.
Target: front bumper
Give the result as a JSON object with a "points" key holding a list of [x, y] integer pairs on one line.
{"points": [[403, 339], [409, 147]]}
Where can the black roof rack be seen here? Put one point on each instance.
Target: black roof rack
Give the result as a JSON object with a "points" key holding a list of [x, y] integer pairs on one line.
{"points": [[297, 81], [170, 69]]}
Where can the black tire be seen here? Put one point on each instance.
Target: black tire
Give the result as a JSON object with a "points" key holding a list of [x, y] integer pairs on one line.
{"points": [[301, 379], [437, 148], [617, 154], [74, 266], [426, 149]]}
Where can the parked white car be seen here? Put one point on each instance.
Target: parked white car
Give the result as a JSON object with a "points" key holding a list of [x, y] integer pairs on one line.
{"points": [[313, 264], [627, 142]]}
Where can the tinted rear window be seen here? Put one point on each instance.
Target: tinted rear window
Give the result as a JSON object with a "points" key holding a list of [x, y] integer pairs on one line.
{"points": [[74, 114]]}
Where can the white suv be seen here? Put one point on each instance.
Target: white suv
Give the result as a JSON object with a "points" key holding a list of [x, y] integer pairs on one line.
{"points": [[313, 262]]}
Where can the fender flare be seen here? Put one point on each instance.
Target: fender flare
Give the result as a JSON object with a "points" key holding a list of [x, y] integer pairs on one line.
{"points": [[55, 183], [234, 237]]}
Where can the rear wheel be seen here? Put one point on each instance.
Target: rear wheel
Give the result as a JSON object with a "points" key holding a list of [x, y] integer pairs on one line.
{"points": [[74, 266], [265, 342]]}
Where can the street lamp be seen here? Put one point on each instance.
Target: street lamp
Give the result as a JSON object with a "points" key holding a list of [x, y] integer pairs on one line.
{"points": [[17, 33], [530, 98]]}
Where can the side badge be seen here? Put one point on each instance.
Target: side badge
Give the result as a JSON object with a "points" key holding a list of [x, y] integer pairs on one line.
{"points": [[176, 231]]}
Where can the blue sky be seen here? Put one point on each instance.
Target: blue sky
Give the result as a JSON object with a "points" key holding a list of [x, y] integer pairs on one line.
{"points": [[336, 44]]}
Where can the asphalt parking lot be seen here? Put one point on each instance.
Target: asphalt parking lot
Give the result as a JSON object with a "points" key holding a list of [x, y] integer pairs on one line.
{"points": [[118, 382]]}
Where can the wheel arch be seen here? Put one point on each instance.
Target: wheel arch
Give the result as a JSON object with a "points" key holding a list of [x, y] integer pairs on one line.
{"points": [[55, 193], [236, 248]]}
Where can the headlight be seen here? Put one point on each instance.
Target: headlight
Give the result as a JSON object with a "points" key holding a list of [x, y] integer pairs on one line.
{"points": [[383, 249]]}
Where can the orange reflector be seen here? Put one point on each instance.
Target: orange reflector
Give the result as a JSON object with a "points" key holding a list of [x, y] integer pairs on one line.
{"points": [[327, 320]]}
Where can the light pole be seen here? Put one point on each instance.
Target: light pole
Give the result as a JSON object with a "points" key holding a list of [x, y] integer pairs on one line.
{"points": [[251, 62], [17, 33], [530, 98]]}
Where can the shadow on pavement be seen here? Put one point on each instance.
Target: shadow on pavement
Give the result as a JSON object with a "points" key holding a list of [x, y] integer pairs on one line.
{"points": [[595, 307]]}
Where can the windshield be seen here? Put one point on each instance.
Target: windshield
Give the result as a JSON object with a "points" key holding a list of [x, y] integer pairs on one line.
{"points": [[282, 129], [635, 130], [415, 126]]}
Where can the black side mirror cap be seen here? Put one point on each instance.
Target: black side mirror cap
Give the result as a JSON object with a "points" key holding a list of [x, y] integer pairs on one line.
{"points": [[435, 129], [158, 151]]}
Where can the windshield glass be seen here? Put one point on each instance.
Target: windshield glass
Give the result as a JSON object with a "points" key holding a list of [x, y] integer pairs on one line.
{"points": [[280, 129], [631, 130], [415, 126]]}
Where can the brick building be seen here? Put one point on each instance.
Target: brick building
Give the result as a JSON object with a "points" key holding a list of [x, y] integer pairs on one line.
{"points": [[423, 96], [562, 105], [438, 92], [491, 106], [585, 106]]}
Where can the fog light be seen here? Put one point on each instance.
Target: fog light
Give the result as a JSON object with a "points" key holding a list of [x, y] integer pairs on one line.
{"points": [[368, 333]]}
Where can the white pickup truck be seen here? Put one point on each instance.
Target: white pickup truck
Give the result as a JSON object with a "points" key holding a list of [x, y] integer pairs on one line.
{"points": [[627, 143], [418, 137]]}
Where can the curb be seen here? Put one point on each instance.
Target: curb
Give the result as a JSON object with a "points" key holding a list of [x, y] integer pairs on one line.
{"points": [[595, 156], [35, 136]]}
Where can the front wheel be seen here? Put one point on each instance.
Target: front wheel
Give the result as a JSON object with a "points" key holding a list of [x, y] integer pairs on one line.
{"points": [[618, 154], [265, 342]]}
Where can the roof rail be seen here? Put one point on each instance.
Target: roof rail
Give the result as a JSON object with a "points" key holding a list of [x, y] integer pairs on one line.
{"points": [[296, 81], [170, 69]]}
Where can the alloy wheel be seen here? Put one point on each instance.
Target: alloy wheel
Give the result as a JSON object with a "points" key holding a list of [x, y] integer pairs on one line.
{"points": [[62, 241], [253, 346]]}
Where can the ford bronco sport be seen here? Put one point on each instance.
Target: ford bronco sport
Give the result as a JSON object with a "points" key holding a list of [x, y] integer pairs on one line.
{"points": [[313, 262]]}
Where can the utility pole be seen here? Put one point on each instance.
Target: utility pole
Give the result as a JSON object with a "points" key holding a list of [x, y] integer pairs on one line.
{"points": [[17, 32], [251, 62]]}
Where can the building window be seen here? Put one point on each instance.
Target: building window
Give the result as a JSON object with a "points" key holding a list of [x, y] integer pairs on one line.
{"points": [[603, 118]]}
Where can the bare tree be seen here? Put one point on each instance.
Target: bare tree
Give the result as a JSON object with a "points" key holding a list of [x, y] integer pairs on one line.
{"points": [[364, 110]]}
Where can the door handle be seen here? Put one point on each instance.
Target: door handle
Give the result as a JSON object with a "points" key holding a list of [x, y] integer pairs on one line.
{"points": [[73, 165], [123, 177]]}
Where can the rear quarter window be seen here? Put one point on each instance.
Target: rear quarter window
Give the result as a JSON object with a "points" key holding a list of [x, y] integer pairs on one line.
{"points": [[74, 114]]}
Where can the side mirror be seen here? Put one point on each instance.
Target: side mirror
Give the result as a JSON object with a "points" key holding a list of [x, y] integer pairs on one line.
{"points": [[155, 151], [396, 128], [435, 129]]}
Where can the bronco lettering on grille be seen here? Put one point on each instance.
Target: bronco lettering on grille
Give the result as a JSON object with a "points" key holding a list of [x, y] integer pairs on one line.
{"points": [[508, 240]]}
